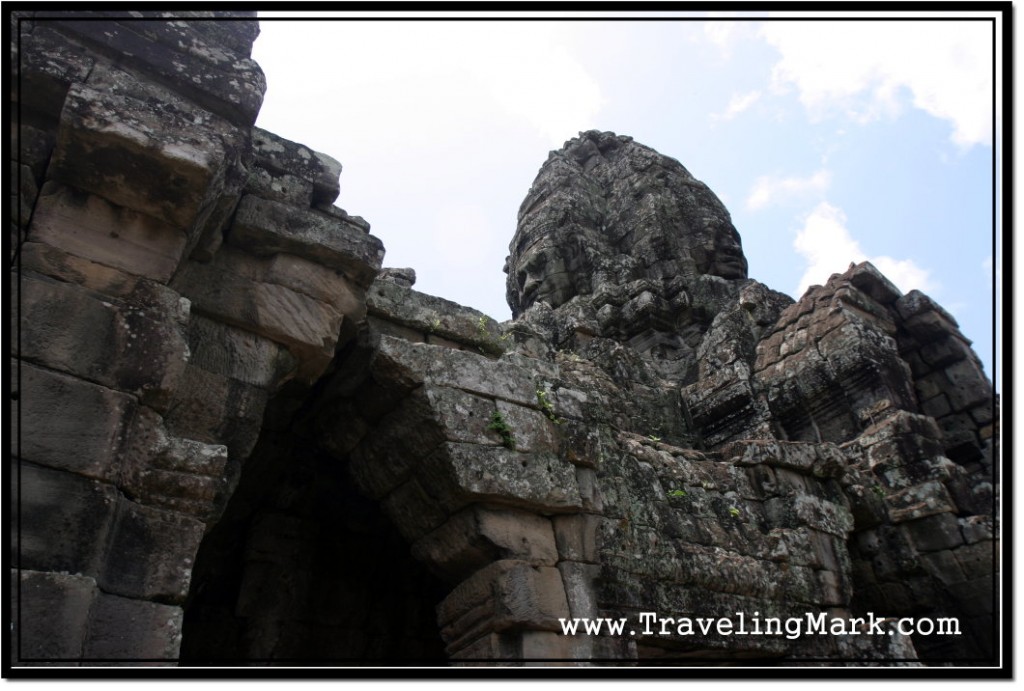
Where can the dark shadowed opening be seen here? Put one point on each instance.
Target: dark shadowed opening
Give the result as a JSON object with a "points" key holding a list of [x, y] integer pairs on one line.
{"points": [[303, 569]]}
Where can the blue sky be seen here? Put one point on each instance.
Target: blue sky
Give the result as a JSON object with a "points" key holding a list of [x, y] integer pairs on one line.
{"points": [[828, 141]]}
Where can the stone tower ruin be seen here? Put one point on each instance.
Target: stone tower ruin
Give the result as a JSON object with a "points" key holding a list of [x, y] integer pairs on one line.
{"points": [[238, 440]]}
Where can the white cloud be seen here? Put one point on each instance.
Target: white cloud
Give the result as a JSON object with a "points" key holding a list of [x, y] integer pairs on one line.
{"points": [[737, 104], [539, 80], [438, 77], [828, 247], [724, 30], [860, 69], [774, 190]]}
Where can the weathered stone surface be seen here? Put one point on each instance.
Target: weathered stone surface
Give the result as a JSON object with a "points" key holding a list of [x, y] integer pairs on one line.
{"points": [[53, 616], [479, 473], [225, 81], [70, 424], [90, 227], [508, 594], [154, 162], [227, 291], [414, 363], [150, 554], [64, 520], [281, 156], [434, 317], [475, 537], [135, 345], [48, 67], [133, 632], [264, 227], [215, 373]]}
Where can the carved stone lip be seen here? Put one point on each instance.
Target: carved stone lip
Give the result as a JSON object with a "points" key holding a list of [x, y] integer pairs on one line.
{"points": [[529, 291]]}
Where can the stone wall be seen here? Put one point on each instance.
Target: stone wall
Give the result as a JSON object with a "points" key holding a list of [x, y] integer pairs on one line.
{"points": [[175, 269], [239, 441]]}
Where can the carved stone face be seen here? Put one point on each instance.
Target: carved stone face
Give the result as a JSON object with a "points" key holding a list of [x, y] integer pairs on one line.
{"points": [[726, 253], [619, 218], [543, 276]]}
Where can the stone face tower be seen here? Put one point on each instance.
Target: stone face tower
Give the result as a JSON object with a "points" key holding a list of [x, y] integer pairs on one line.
{"points": [[240, 440]]}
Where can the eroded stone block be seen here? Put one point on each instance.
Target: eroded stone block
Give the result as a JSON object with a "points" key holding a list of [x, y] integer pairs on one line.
{"points": [[51, 616], [91, 227], [131, 631], [156, 162], [475, 537], [70, 424]]}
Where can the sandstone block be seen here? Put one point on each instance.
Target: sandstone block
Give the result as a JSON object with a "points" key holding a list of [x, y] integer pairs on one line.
{"points": [[532, 430], [943, 566], [151, 553], [70, 424], [976, 595], [280, 187], [968, 385], [136, 346], [284, 157], [413, 510], [474, 537], [264, 227], [580, 582], [222, 290], [506, 595], [867, 278], [49, 261], [934, 533], [52, 616], [32, 147], [66, 328], [915, 302], [434, 316], [976, 528], [48, 68], [400, 442], [464, 417], [978, 560], [936, 406], [133, 631], [225, 82], [577, 536], [414, 363], [169, 472], [918, 501], [88, 226], [317, 281], [942, 352], [64, 520], [462, 473], [238, 354], [215, 409], [106, 140]]}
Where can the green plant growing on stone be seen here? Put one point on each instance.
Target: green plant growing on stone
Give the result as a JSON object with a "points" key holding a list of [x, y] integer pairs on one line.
{"points": [[548, 407], [734, 512], [499, 425], [878, 490], [654, 437], [435, 324], [677, 493]]}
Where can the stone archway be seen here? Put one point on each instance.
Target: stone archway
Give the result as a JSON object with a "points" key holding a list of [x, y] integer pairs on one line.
{"points": [[303, 569]]}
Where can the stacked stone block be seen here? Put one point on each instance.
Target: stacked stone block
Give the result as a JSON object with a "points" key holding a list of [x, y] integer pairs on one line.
{"points": [[147, 346]]}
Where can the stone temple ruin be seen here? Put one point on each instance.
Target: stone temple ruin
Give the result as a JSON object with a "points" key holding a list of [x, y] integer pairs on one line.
{"points": [[240, 441]]}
